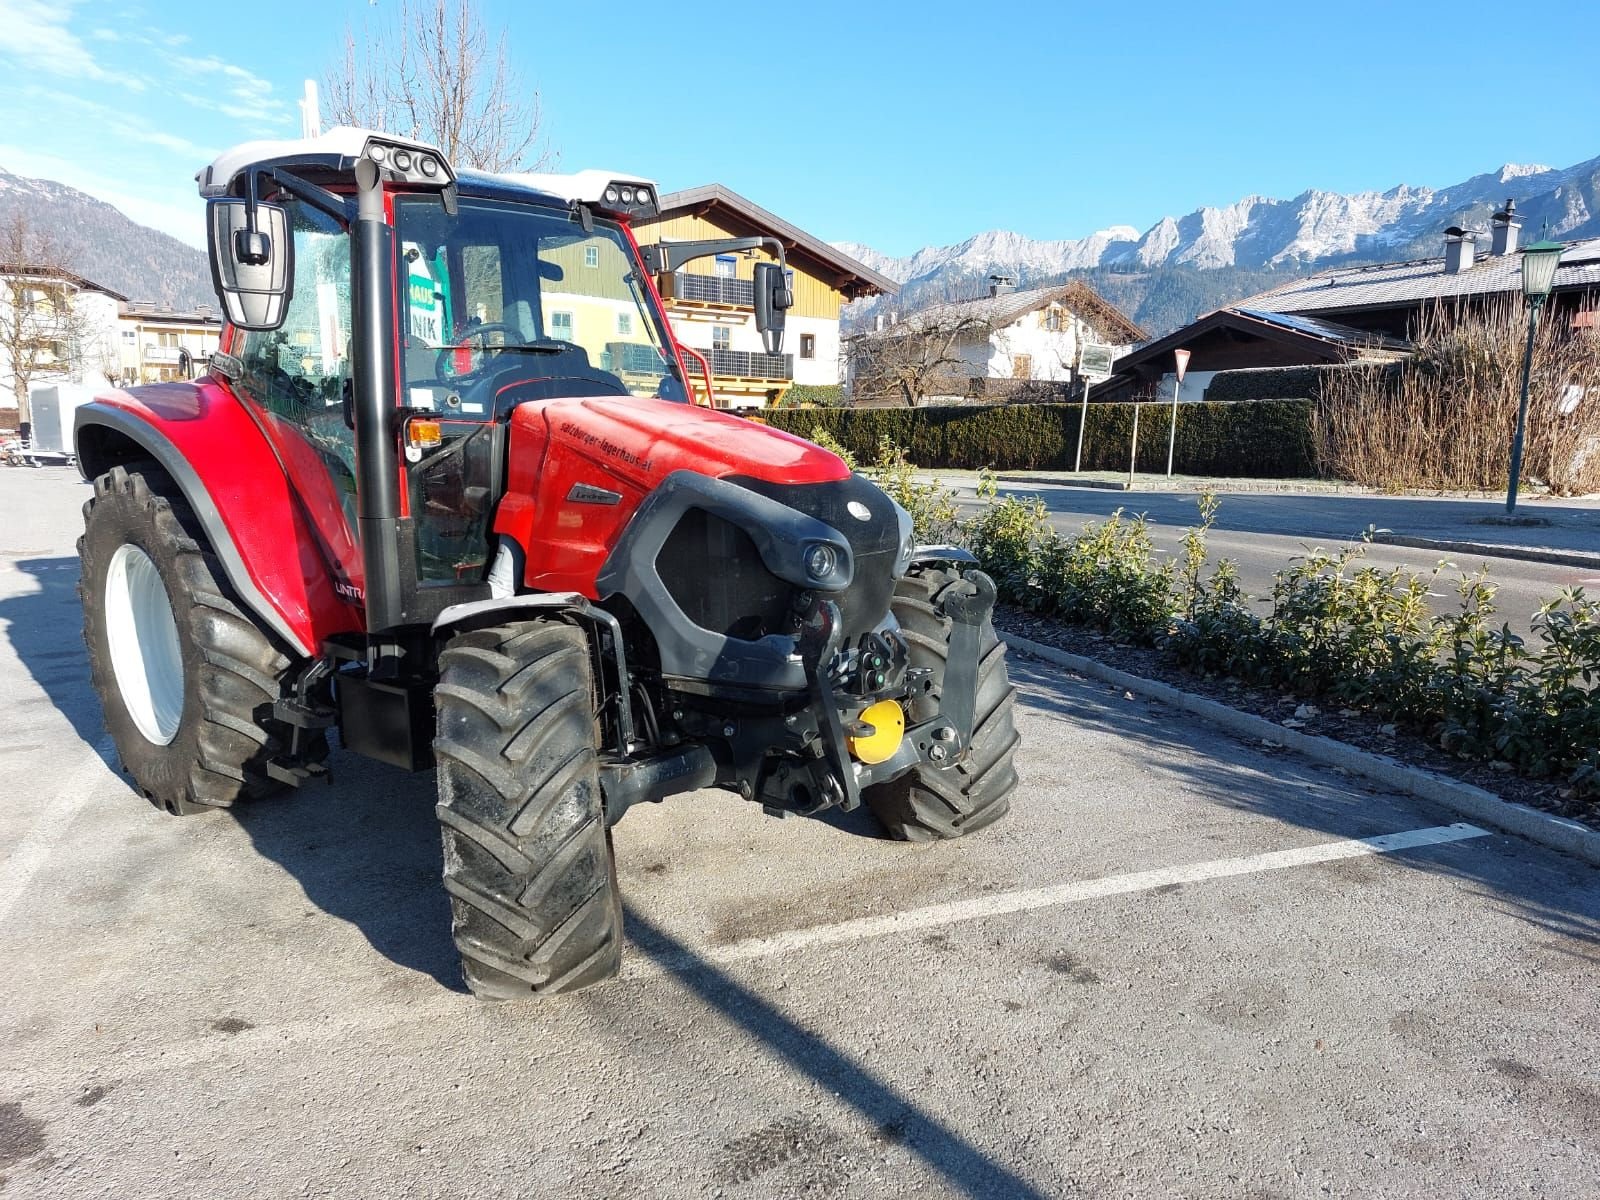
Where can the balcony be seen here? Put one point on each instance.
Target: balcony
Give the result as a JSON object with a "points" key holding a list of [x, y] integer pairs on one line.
{"points": [[684, 289], [743, 364]]}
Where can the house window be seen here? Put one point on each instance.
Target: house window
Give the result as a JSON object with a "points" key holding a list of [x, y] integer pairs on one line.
{"points": [[591, 256], [1022, 366], [1052, 320], [561, 326], [624, 324], [808, 345], [721, 337], [727, 266]]}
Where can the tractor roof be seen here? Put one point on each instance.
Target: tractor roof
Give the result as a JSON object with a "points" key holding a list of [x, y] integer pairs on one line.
{"points": [[338, 150]]}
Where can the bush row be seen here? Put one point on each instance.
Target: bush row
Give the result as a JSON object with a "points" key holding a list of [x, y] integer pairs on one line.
{"points": [[814, 395], [1269, 439], [1338, 628]]}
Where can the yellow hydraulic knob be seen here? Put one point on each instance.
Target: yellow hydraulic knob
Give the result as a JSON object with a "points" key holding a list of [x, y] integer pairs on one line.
{"points": [[888, 729]]}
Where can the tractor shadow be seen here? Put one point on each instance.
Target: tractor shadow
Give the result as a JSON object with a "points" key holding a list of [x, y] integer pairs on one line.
{"points": [[367, 853], [45, 629], [895, 1115]]}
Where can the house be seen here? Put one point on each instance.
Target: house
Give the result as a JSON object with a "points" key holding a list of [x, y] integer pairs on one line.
{"points": [[158, 343], [711, 302], [1390, 298], [55, 327], [1237, 338], [1059, 335]]}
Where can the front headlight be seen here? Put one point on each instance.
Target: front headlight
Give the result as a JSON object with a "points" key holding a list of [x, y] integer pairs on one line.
{"points": [[821, 560], [908, 542]]}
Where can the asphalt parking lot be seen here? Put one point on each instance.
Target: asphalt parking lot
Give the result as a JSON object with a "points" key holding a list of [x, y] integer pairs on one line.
{"points": [[1176, 969]]}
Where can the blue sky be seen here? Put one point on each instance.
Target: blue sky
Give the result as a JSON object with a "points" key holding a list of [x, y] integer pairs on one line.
{"points": [[897, 125]]}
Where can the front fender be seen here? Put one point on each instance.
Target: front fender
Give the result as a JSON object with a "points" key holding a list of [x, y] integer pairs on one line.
{"points": [[236, 486]]}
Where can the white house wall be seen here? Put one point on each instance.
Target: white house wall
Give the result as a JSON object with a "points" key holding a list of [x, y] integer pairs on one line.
{"points": [[823, 369]]}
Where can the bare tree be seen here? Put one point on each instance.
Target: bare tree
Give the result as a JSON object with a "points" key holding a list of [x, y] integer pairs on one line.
{"points": [[41, 331], [437, 75], [916, 358]]}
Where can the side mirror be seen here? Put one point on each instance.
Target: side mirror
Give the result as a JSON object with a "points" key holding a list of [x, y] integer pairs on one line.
{"points": [[773, 302], [252, 261]]}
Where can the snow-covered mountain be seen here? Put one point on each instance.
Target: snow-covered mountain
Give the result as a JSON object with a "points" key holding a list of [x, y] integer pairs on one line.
{"points": [[1256, 234], [103, 245]]}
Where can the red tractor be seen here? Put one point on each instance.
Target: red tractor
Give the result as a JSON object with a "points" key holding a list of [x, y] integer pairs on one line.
{"points": [[444, 490]]}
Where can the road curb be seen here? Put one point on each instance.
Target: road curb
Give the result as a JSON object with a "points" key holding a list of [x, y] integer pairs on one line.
{"points": [[1565, 558], [1547, 829]]}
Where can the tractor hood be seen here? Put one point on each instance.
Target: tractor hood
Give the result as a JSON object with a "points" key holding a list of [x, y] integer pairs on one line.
{"points": [[647, 440]]}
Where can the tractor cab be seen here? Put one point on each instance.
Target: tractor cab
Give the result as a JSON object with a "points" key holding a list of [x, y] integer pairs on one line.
{"points": [[375, 295]]}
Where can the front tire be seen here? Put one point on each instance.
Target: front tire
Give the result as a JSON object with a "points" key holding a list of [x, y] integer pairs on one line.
{"points": [[528, 861], [929, 803], [186, 678]]}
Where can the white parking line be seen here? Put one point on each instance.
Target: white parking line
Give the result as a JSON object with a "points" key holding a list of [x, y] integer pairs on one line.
{"points": [[1048, 897]]}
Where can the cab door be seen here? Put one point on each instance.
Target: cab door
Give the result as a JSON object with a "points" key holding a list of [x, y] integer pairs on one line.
{"points": [[295, 380]]}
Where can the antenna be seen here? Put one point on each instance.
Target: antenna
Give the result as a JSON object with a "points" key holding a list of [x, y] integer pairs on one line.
{"points": [[310, 113]]}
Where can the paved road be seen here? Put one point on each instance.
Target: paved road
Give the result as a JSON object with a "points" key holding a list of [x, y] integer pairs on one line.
{"points": [[1263, 531], [1170, 972]]}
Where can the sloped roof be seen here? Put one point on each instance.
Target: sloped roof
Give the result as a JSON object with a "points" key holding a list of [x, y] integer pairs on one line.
{"points": [[858, 278], [1399, 285], [1000, 311], [9, 270], [1320, 338]]}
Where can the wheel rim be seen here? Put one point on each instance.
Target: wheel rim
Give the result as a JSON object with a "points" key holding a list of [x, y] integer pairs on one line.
{"points": [[143, 639]]}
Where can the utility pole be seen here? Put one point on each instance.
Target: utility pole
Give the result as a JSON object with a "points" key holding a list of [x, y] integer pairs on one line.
{"points": [[1083, 423], [1539, 263], [1133, 454], [1181, 357]]}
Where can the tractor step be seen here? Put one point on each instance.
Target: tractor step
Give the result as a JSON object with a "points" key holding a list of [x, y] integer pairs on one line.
{"points": [[302, 715], [297, 774]]}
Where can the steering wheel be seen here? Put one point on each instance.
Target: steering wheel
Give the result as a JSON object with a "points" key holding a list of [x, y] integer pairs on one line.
{"points": [[444, 367]]}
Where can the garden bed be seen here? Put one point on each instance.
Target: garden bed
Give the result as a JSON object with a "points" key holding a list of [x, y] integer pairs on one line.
{"points": [[1366, 731]]}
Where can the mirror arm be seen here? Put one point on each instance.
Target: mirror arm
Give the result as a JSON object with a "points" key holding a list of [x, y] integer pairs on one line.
{"points": [[663, 258], [250, 246], [340, 208]]}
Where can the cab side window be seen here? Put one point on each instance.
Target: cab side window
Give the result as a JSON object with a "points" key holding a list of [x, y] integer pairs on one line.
{"points": [[299, 373]]}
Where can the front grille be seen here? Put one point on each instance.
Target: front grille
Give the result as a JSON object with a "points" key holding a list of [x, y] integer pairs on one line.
{"points": [[874, 543], [714, 573]]}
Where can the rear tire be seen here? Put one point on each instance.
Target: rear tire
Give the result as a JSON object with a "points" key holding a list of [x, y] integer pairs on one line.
{"points": [[186, 678], [931, 804], [528, 860]]}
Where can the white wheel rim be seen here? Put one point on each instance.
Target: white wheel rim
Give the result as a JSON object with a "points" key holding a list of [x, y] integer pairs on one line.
{"points": [[143, 639]]}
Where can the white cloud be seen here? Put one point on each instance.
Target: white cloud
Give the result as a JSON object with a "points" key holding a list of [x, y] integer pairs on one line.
{"points": [[35, 35], [243, 95]]}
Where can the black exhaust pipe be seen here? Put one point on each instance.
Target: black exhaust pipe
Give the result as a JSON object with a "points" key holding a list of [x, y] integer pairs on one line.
{"points": [[374, 383]]}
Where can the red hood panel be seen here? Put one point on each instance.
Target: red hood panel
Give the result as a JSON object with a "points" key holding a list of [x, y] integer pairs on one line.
{"points": [[648, 439]]}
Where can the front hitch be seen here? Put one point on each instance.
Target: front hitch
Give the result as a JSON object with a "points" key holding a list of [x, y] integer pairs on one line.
{"points": [[968, 611]]}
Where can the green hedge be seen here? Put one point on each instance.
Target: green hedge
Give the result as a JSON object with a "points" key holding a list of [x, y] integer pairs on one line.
{"points": [[1278, 383], [817, 395], [1268, 440]]}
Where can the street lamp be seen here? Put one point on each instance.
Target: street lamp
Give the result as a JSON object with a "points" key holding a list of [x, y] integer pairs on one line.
{"points": [[1539, 262]]}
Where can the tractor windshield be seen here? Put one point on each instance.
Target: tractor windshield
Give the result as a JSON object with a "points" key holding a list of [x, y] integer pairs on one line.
{"points": [[503, 303]]}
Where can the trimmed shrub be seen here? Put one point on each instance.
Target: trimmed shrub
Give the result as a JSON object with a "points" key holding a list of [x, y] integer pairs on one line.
{"points": [[1269, 439], [814, 395]]}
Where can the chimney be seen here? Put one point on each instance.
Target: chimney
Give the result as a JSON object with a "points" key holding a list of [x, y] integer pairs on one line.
{"points": [[1503, 227], [1000, 285], [1459, 247]]}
